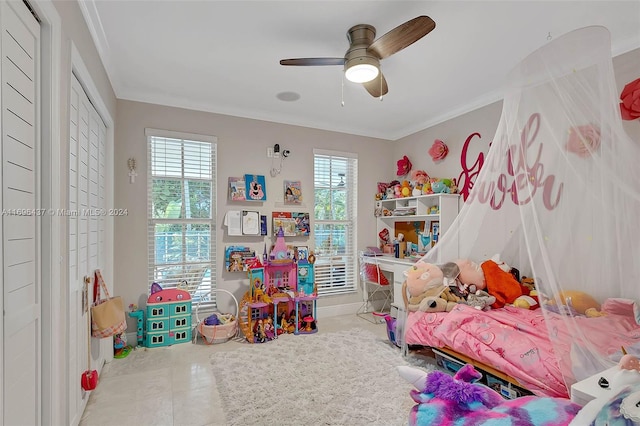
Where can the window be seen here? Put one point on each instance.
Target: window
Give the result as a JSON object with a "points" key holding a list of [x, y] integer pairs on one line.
{"points": [[335, 190], [182, 212]]}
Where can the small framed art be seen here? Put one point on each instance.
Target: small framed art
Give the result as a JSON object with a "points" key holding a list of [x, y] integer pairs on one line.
{"points": [[250, 223], [256, 187], [237, 189], [292, 192]]}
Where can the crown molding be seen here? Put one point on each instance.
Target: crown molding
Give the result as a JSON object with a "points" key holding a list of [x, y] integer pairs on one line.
{"points": [[92, 18]]}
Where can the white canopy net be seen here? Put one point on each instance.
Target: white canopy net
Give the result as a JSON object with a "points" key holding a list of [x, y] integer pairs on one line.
{"points": [[558, 196]]}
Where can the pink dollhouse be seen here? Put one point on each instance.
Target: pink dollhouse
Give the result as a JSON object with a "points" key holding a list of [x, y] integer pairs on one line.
{"points": [[282, 296]]}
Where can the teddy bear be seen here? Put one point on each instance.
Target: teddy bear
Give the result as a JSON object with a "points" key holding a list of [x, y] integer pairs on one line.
{"points": [[435, 304], [448, 295], [422, 280]]}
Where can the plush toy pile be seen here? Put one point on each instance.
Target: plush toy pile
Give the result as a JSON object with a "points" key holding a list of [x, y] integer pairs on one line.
{"points": [[458, 400], [487, 285]]}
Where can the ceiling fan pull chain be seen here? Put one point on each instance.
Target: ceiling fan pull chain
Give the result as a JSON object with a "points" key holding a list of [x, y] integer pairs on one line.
{"points": [[342, 90]]}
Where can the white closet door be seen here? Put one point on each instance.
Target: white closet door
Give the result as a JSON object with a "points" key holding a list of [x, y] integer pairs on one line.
{"points": [[21, 331], [87, 134]]}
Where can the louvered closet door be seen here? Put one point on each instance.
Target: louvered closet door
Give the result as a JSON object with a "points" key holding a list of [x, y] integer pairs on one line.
{"points": [[21, 381], [87, 134]]}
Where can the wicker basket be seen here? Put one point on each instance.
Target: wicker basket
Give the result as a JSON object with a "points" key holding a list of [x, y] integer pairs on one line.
{"points": [[217, 333]]}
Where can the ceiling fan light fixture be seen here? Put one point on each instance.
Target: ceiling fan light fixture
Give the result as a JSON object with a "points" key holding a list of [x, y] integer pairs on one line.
{"points": [[361, 70]]}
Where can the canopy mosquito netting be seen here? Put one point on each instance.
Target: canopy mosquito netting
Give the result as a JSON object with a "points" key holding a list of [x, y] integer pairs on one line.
{"points": [[558, 196]]}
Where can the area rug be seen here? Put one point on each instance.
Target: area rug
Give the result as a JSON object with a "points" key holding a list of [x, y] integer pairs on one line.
{"points": [[341, 378]]}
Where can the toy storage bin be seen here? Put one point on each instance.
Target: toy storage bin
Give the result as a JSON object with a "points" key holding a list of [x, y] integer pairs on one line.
{"points": [[217, 333], [506, 389]]}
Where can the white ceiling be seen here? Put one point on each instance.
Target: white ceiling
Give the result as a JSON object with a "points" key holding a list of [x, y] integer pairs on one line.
{"points": [[223, 56]]}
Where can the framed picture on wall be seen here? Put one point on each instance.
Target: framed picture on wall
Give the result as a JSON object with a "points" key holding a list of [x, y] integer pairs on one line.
{"points": [[292, 192], [237, 189], [256, 187]]}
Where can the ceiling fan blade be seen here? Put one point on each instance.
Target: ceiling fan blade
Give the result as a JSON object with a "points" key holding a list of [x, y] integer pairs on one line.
{"points": [[402, 36], [377, 87], [312, 61]]}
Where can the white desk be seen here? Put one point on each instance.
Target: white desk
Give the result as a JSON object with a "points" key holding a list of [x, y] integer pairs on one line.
{"points": [[396, 267]]}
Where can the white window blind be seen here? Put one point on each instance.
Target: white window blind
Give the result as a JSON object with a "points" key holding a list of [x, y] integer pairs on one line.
{"points": [[335, 191], [182, 213]]}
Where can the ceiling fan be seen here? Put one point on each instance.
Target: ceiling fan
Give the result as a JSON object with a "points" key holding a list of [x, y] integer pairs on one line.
{"points": [[362, 60]]}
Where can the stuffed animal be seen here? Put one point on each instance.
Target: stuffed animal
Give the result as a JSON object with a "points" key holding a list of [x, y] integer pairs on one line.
{"points": [[481, 300], [451, 271], [438, 186], [594, 313], [528, 282], [471, 273], [423, 276], [405, 188], [422, 280], [420, 176], [572, 302], [500, 284], [448, 295], [435, 304], [445, 400], [578, 300], [415, 303], [529, 301], [389, 193]]}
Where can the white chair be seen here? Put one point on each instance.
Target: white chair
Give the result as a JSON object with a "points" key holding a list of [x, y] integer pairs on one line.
{"points": [[377, 290]]}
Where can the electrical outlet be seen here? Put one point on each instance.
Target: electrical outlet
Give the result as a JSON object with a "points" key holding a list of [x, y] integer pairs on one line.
{"points": [[269, 152]]}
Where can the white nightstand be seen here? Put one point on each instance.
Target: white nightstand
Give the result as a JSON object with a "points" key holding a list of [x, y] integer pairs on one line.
{"points": [[585, 390]]}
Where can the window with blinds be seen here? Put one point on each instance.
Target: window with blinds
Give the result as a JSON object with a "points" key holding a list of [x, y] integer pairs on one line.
{"points": [[335, 191], [182, 213]]}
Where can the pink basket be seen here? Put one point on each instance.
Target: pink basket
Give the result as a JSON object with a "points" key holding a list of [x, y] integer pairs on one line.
{"points": [[212, 334]]}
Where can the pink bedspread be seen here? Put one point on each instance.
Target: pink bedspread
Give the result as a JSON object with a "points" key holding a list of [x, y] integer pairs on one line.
{"points": [[516, 341]]}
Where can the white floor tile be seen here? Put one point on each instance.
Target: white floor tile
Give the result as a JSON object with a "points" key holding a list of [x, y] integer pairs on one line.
{"points": [[174, 385]]}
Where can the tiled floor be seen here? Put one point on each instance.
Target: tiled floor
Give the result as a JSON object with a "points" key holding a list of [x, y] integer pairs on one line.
{"points": [[174, 385]]}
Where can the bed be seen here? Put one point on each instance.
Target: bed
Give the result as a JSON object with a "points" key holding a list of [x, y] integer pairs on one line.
{"points": [[516, 341]]}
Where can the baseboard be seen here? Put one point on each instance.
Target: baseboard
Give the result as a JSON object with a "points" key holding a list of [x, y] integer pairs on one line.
{"points": [[132, 339], [336, 310]]}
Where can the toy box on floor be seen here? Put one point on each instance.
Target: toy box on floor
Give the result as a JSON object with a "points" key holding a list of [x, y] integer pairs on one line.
{"points": [[442, 399]]}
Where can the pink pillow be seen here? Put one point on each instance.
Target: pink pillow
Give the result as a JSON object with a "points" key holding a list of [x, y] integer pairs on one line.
{"points": [[372, 273], [620, 306]]}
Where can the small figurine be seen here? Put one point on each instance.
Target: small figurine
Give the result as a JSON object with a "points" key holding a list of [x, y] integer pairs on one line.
{"points": [[269, 329], [260, 336]]}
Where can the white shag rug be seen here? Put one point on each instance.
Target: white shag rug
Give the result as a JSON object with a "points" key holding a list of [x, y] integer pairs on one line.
{"points": [[342, 378]]}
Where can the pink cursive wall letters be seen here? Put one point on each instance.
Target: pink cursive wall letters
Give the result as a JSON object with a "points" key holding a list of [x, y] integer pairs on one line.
{"points": [[521, 180], [468, 175]]}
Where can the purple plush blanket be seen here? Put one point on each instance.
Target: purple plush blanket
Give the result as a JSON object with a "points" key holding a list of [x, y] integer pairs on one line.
{"points": [[446, 401]]}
